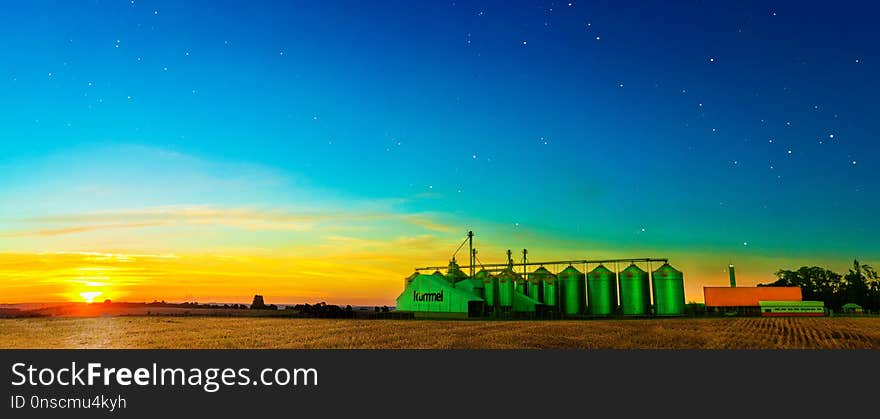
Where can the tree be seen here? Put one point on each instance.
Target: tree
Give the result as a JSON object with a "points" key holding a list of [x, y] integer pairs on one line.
{"points": [[818, 284], [863, 286]]}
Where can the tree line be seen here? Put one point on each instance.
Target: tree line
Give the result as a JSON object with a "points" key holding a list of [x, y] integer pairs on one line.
{"points": [[860, 285]]}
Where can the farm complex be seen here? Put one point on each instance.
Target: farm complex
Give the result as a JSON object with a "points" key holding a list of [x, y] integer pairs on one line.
{"points": [[600, 288]]}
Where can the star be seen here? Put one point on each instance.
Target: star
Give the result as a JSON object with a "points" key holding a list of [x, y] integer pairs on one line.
{"points": [[524, 42]]}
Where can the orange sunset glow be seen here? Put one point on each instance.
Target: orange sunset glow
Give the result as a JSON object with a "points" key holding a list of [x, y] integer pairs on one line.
{"points": [[157, 225]]}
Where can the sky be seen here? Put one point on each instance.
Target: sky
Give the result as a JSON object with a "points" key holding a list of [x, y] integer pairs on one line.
{"points": [[319, 151]]}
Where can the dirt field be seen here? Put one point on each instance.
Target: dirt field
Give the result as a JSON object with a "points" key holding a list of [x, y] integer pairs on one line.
{"points": [[227, 333]]}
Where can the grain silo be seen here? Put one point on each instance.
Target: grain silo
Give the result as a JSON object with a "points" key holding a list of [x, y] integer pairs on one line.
{"points": [[572, 291], [490, 286], [550, 292], [454, 272], [601, 291], [536, 283], [521, 284], [668, 286], [506, 288], [635, 294]]}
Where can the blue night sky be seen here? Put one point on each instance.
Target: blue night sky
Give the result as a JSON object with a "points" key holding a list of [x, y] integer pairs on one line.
{"points": [[708, 131]]}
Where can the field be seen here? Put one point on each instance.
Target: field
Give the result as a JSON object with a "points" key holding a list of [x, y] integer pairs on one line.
{"points": [[278, 333]]}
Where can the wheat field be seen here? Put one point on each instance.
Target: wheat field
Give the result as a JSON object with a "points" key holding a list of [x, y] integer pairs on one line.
{"points": [[277, 333]]}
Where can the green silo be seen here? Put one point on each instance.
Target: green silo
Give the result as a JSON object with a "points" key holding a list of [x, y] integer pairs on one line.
{"points": [[506, 285], [490, 286], [543, 287], [521, 284], [601, 291], [454, 273], [550, 291], [572, 291], [536, 283], [635, 291], [473, 285], [668, 287]]}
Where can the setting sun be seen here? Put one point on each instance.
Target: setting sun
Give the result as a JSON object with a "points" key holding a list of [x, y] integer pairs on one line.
{"points": [[90, 296]]}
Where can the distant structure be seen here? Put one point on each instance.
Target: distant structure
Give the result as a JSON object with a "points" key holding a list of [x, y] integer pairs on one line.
{"points": [[732, 274], [258, 302]]}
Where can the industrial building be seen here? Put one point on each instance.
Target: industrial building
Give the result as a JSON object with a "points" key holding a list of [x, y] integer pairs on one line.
{"points": [[530, 289], [755, 301]]}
